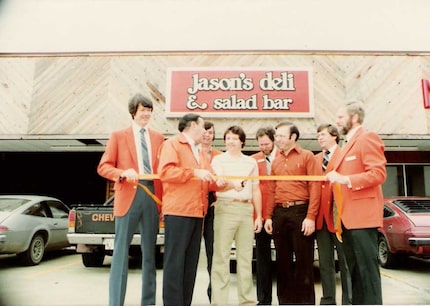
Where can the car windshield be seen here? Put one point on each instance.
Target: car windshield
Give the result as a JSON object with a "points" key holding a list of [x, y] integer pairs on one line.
{"points": [[10, 204]]}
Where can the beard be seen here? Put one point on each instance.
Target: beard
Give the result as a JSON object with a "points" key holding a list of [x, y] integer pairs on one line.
{"points": [[345, 129]]}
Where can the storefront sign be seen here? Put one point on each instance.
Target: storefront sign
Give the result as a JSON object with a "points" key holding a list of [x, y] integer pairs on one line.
{"points": [[240, 92]]}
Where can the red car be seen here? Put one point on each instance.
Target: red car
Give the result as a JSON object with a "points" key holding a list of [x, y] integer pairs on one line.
{"points": [[406, 230]]}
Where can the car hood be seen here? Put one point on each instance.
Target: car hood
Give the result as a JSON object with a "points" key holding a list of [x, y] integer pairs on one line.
{"points": [[420, 219]]}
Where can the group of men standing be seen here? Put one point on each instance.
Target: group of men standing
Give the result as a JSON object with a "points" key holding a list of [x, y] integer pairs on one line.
{"points": [[202, 196]]}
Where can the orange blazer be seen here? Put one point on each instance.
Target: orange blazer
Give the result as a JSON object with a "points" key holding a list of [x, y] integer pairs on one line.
{"points": [[183, 194], [325, 211], [363, 160], [120, 155], [260, 157]]}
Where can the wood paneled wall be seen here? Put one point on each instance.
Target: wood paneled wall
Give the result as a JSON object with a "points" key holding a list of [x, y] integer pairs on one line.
{"points": [[87, 94]]}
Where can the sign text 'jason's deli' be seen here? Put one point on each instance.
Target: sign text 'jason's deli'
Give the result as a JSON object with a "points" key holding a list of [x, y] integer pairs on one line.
{"points": [[239, 91]]}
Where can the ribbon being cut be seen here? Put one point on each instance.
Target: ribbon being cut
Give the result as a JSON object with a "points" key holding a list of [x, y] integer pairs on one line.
{"points": [[337, 193]]}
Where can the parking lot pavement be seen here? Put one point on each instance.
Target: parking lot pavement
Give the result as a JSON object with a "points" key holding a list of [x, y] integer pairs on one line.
{"points": [[399, 287], [62, 280]]}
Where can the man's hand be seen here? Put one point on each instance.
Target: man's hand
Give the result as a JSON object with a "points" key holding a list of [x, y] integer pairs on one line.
{"points": [[238, 185], [258, 225], [308, 227], [336, 177], [130, 175], [268, 226], [204, 175]]}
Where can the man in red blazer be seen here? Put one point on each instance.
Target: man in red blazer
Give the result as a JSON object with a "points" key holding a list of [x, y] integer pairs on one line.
{"points": [[124, 159], [360, 170], [328, 138], [266, 141], [186, 176]]}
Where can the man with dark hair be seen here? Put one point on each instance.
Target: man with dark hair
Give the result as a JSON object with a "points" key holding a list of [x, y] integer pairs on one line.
{"points": [[328, 138], [266, 141], [185, 174], [360, 170], [130, 152], [234, 211], [292, 209]]}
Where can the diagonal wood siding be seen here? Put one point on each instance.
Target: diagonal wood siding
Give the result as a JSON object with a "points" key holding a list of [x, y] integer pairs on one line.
{"points": [[88, 94]]}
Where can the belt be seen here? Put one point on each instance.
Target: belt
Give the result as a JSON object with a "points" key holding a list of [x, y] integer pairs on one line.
{"points": [[292, 203], [234, 200]]}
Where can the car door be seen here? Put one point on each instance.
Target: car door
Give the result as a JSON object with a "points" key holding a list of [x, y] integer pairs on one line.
{"points": [[58, 223], [395, 225]]}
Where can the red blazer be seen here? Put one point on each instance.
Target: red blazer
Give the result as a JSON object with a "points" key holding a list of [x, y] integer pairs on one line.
{"points": [[363, 160], [183, 195], [326, 205], [120, 155], [260, 157]]}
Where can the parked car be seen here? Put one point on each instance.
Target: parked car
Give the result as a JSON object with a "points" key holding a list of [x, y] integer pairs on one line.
{"points": [[405, 230], [31, 225]]}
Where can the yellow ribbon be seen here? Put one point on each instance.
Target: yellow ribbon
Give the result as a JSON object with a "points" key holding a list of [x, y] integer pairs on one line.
{"points": [[338, 199], [259, 177], [150, 193], [337, 193]]}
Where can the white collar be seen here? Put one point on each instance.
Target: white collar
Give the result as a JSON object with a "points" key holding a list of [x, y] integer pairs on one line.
{"points": [[332, 149], [352, 132], [272, 154]]}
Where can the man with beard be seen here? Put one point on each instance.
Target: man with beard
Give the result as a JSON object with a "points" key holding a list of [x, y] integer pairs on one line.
{"points": [[266, 141], [360, 171]]}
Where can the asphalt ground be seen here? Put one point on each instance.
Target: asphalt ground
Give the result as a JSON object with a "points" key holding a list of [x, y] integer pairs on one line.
{"points": [[61, 279]]}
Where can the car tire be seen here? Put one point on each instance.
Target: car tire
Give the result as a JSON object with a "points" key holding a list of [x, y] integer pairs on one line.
{"points": [[95, 259], [386, 259], [34, 254]]}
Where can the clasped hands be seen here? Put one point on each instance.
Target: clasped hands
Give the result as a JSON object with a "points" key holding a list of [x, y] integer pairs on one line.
{"points": [[228, 184]]}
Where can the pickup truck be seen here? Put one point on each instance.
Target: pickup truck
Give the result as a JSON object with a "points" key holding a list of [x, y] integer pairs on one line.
{"points": [[92, 230]]}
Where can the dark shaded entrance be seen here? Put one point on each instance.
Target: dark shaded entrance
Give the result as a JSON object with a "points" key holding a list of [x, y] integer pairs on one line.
{"points": [[70, 176]]}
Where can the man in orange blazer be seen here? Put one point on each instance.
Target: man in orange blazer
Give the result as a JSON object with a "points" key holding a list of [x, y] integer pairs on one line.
{"points": [[124, 159], [186, 177], [328, 138], [360, 170], [266, 141]]}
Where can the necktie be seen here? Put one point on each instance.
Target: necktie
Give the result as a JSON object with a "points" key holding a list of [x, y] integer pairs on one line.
{"points": [[268, 164], [325, 160], [145, 155]]}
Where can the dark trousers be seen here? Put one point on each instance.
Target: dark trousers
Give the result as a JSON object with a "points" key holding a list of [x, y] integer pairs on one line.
{"points": [[208, 234], [143, 215], [263, 267], [361, 247], [295, 256], [328, 244], [181, 256]]}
